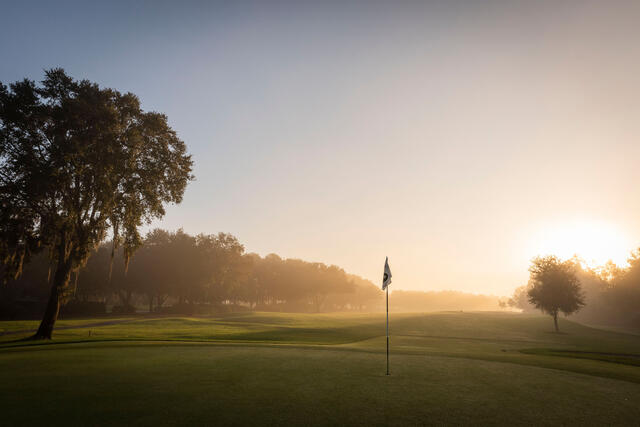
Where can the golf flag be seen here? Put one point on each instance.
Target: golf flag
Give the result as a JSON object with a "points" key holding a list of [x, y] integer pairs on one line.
{"points": [[386, 279]]}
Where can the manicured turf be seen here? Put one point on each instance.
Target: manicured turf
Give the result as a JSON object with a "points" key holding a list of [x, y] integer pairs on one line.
{"points": [[265, 368]]}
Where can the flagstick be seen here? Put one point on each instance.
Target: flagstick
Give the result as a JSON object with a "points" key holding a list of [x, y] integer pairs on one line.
{"points": [[387, 289]]}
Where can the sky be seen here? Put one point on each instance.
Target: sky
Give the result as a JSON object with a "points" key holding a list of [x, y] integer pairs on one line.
{"points": [[460, 139]]}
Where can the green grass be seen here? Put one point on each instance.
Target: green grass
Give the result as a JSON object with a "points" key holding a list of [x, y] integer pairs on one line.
{"points": [[328, 369]]}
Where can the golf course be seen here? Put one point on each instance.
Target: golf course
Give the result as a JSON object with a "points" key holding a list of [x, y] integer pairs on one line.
{"points": [[325, 369]]}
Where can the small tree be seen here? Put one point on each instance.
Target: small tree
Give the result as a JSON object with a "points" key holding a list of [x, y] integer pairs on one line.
{"points": [[554, 287], [77, 160]]}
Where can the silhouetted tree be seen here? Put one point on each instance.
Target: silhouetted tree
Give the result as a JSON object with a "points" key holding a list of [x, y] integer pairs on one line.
{"points": [[624, 294], [554, 287], [75, 161], [223, 266], [366, 295], [178, 276], [152, 270], [266, 274]]}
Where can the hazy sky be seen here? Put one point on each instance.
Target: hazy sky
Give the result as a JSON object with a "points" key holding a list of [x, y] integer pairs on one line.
{"points": [[458, 138]]}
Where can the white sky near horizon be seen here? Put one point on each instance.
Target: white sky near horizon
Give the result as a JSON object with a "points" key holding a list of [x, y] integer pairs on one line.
{"points": [[460, 139]]}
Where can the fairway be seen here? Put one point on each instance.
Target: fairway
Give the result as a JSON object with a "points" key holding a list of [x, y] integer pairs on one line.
{"points": [[328, 369]]}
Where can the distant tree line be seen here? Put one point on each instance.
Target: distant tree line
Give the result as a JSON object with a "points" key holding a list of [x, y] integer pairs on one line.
{"points": [[178, 273], [610, 294], [174, 272]]}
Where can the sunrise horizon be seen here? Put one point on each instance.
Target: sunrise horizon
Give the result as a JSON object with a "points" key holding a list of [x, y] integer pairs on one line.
{"points": [[319, 213], [461, 151]]}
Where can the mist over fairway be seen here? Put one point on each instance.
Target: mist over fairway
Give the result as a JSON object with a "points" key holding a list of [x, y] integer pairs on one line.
{"points": [[266, 368], [200, 201]]}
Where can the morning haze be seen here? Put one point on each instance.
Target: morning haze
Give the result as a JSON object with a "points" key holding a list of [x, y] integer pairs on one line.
{"points": [[329, 213], [449, 136]]}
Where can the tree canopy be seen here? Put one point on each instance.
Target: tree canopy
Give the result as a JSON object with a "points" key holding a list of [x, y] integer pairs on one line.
{"points": [[78, 161], [554, 287]]}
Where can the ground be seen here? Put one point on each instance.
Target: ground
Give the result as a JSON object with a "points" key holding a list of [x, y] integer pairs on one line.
{"points": [[329, 369]]}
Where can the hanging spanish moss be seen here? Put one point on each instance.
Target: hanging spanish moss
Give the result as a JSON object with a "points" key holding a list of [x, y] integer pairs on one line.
{"points": [[110, 165]]}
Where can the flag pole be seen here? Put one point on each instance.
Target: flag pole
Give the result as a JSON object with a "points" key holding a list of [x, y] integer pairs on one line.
{"points": [[386, 281], [387, 290]]}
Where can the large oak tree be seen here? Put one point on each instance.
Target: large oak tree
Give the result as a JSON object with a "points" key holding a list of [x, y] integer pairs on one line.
{"points": [[78, 161]]}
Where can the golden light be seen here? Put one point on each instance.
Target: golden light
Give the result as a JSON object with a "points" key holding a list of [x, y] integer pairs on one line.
{"points": [[596, 242]]}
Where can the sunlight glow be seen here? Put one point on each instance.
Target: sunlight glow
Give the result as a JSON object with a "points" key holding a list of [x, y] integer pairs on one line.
{"points": [[596, 242]]}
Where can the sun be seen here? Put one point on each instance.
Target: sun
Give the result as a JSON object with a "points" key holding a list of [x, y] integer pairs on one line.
{"points": [[596, 242]]}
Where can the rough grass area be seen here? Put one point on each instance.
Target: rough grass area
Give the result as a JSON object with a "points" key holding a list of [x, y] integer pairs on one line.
{"points": [[265, 368]]}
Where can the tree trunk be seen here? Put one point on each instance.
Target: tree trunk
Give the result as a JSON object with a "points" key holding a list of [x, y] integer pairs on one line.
{"points": [[60, 282], [555, 321]]}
